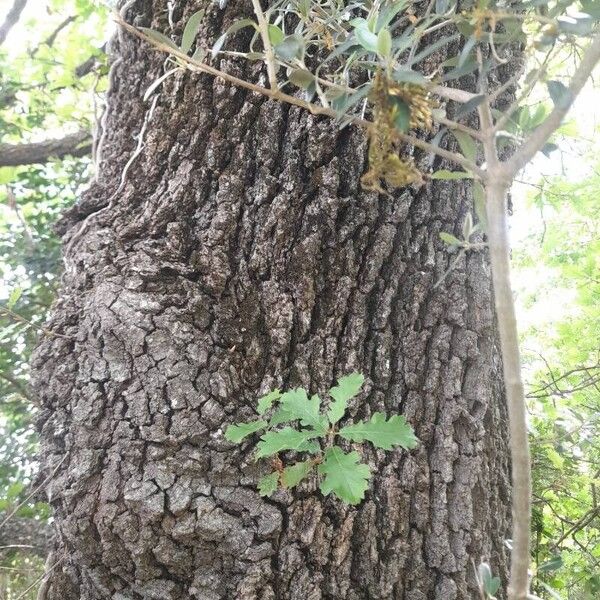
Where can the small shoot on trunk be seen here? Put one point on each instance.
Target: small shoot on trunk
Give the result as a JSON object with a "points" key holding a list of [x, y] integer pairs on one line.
{"points": [[312, 429]]}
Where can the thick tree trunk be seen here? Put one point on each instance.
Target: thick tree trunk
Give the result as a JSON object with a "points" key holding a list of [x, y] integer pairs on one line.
{"points": [[240, 255]]}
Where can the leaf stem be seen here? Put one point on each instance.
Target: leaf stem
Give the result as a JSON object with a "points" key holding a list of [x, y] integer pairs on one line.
{"points": [[263, 28]]}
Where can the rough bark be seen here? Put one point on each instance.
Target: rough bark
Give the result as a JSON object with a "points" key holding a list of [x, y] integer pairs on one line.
{"points": [[240, 255]]}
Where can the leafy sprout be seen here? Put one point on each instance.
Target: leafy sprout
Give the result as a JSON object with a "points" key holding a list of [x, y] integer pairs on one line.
{"points": [[312, 428]]}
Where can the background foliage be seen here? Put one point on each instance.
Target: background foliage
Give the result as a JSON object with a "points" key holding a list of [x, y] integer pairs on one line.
{"points": [[52, 76], [559, 258]]}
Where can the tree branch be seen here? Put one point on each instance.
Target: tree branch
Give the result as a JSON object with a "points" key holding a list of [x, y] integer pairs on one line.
{"points": [[75, 144], [263, 27], [12, 18], [195, 65], [498, 243], [540, 135]]}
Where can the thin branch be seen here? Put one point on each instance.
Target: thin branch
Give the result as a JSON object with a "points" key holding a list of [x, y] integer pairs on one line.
{"points": [[20, 387], [263, 28], [33, 493], [21, 319], [75, 144], [26, 533], [49, 41], [587, 518], [195, 65], [12, 18], [509, 343], [459, 127], [508, 113], [540, 135], [40, 579], [508, 83], [11, 200], [454, 94]]}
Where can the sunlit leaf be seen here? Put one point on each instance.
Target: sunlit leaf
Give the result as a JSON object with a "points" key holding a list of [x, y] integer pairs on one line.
{"points": [[268, 484], [295, 473], [347, 387], [384, 42], [276, 35], [236, 433], [287, 438], [13, 297], [381, 432], [344, 475], [450, 239], [450, 175], [367, 39], [159, 37], [191, 30], [467, 144], [266, 402]]}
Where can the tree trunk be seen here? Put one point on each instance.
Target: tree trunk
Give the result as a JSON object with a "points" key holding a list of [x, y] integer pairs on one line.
{"points": [[241, 255]]}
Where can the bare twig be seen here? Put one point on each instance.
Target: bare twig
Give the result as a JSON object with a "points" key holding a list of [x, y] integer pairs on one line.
{"points": [[538, 137], [42, 577], [11, 200], [17, 317], [33, 493], [49, 41], [20, 387], [12, 18]]}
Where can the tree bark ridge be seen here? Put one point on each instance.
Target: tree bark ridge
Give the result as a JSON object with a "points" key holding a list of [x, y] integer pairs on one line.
{"points": [[240, 256]]}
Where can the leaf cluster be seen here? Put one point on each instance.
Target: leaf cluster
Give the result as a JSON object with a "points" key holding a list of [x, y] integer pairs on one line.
{"points": [[336, 52], [312, 428]]}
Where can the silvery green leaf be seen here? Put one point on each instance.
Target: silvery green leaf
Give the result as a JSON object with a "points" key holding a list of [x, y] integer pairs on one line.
{"points": [[191, 30]]}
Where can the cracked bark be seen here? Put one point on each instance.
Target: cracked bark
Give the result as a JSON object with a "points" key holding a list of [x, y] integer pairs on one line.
{"points": [[241, 255]]}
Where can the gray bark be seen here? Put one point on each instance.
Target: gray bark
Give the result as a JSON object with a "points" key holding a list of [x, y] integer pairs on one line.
{"points": [[242, 255]]}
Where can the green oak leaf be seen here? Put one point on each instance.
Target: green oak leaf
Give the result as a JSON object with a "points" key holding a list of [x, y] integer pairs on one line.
{"points": [[294, 405], [236, 433], [381, 433], [311, 446], [347, 387], [265, 403], [345, 476], [282, 415], [268, 484], [287, 438], [294, 474]]}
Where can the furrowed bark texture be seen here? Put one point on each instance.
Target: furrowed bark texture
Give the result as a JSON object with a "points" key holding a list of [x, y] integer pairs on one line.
{"points": [[242, 255]]}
